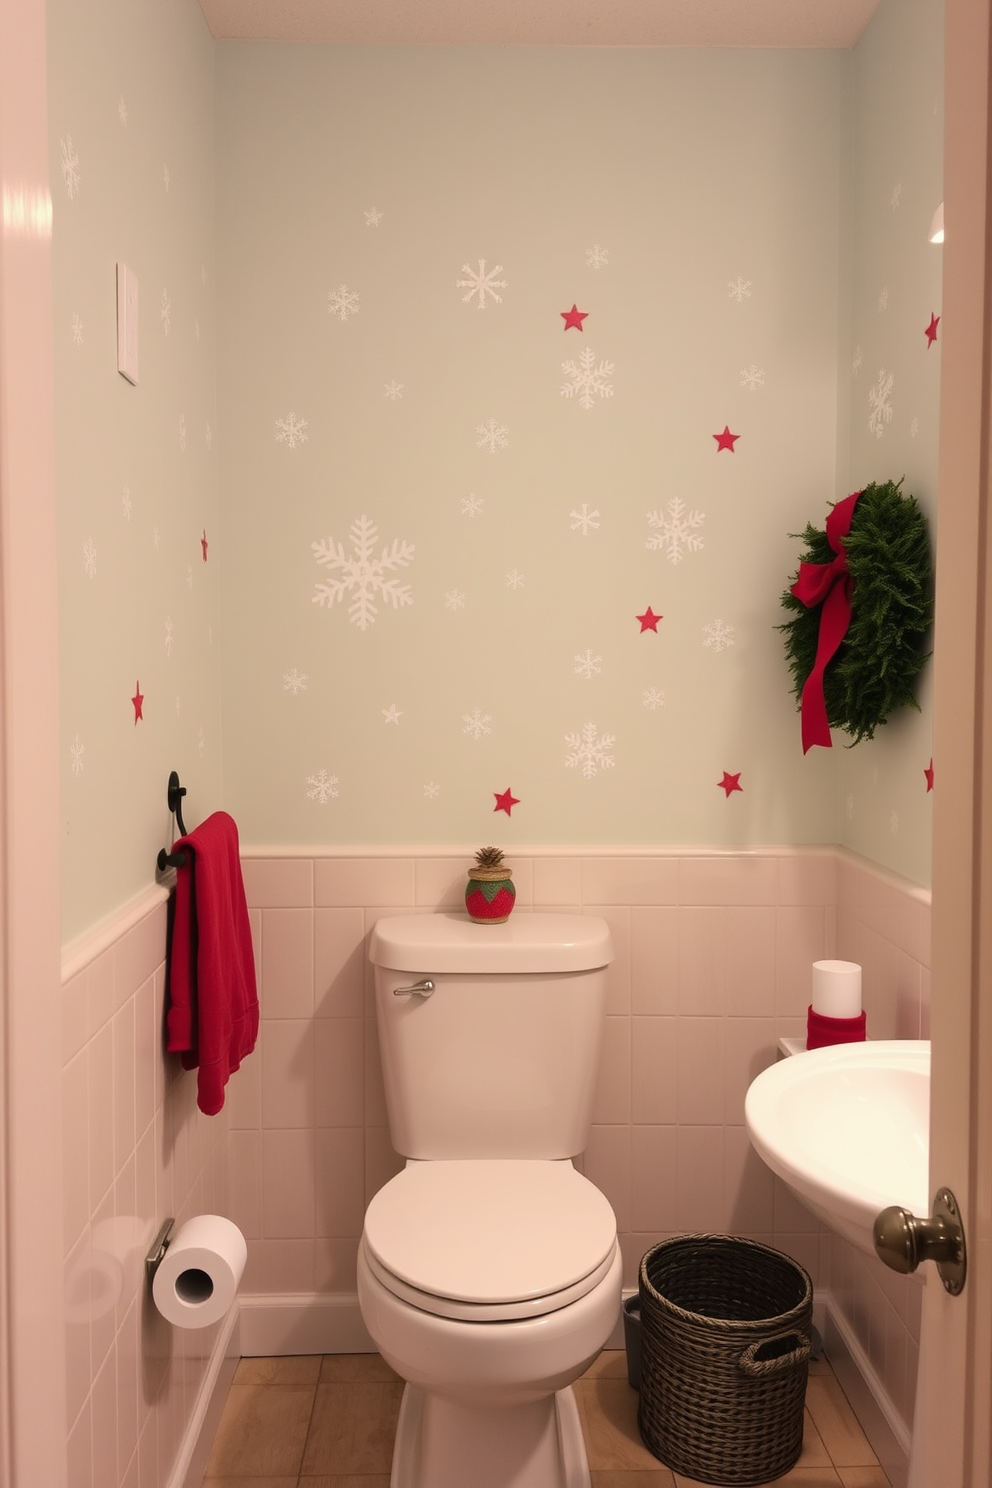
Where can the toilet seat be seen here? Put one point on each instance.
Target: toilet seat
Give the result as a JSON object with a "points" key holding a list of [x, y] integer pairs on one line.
{"points": [[489, 1241]]}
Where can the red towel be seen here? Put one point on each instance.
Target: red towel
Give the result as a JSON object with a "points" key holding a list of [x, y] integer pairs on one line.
{"points": [[213, 1002]]}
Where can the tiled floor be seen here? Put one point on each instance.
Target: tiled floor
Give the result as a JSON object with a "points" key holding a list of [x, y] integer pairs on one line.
{"points": [[314, 1422]]}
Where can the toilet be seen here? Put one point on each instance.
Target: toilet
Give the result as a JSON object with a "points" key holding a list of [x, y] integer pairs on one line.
{"points": [[489, 1271]]}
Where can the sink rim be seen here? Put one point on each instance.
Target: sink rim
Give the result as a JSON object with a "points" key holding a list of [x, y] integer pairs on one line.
{"points": [[848, 1207]]}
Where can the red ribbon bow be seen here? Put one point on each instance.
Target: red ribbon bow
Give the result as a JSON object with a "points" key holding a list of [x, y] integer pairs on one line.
{"points": [[829, 583]]}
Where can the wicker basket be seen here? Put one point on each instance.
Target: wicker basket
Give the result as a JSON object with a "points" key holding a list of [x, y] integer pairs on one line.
{"points": [[725, 1339]]}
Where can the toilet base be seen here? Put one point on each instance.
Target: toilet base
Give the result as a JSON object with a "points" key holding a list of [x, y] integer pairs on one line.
{"points": [[442, 1443]]}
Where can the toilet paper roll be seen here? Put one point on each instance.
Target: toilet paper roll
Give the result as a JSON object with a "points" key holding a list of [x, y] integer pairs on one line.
{"points": [[837, 989], [198, 1277]]}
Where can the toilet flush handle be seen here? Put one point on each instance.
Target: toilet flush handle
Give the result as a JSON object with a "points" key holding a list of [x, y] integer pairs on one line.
{"points": [[423, 988]]}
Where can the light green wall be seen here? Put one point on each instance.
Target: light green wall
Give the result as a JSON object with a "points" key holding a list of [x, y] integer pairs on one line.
{"points": [[695, 173], [739, 209], [132, 176], [884, 809]]}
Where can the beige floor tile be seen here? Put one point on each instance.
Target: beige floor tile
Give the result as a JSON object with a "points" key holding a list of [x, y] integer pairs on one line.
{"points": [[340, 1368], [834, 1419], [612, 1363], [657, 1477], [262, 1431], [352, 1428], [290, 1369], [608, 1409], [863, 1477]]}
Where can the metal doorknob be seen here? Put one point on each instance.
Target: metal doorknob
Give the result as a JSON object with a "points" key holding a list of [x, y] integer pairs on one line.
{"points": [[902, 1241]]}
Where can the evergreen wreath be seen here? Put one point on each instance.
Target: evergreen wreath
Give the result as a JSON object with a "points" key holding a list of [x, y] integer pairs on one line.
{"points": [[891, 575]]}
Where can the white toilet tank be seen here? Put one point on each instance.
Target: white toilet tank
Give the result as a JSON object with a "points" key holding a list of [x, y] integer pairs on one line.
{"points": [[500, 1059]]}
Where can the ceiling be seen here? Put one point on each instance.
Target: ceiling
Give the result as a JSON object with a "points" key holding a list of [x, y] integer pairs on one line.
{"points": [[602, 23]]}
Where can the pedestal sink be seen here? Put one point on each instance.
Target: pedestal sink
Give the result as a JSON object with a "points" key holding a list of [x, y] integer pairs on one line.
{"points": [[847, 1129]]}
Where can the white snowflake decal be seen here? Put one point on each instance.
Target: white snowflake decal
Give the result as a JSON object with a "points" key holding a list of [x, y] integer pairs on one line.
{"points": [[856, 361], [372, 217], [122, 111], [342, 302], [883, 298], [200, 741], [291, 431], [477, 723], [364, 574], [126, 502], [165, 312], [77, 329], [70, 167], [480, 284], [597, 257], [182, 432], [515, 579], [752, 377], [587, 379], [589, 750], [166, 177], [914, 428], [392, 714], [652, 698], [739, 289], [294, 682], [587, 665], [894, 198], [492, 436], [472, 505], [431, 790], [894, 822], [168, 636], [676, 533], [189, 576], [584, 520], [76, 751], [718, 636], [394, 390], [878, 401], [454, 600], [321, 787], [208, 435], [89, 558]]}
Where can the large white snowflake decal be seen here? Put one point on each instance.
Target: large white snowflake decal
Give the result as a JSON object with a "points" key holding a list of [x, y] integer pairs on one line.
{"points": [[89, 558], [597, 257], [70, 167], [584, 520], [718, 636], [752, 377], [291, 431], [589, 750], [294, 681], [676, 533], [740, 289], [321, 787], [480, 284], [587, 665], [492, 436], [878, 401], [363, 574], [76, 751], [165, 312], [587, 379], [477, 723], [342, 302], [653, 698]]}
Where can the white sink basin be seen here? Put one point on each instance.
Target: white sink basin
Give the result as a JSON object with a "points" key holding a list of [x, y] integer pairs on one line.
{"points": [[848, 1129]]}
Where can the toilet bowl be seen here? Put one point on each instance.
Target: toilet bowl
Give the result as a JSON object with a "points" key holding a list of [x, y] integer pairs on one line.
{"points": [[489, 1286], [489, 1272]]}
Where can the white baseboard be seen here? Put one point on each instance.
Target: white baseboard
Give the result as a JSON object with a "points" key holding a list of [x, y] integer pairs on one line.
{"points": [[889, 1435], [303, 1323]]}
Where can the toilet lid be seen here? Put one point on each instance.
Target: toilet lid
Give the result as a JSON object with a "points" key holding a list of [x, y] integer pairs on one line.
{"points": [[488, 1239]]}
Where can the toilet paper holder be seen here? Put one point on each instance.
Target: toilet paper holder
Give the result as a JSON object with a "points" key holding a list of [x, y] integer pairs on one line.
{"points": [[160, 1245]]}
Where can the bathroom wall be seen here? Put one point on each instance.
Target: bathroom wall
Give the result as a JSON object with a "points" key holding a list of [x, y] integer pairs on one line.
{"points": [[132, 177], [890, 371], [493, 574]]}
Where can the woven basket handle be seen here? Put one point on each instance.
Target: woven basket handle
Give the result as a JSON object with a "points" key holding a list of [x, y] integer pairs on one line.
{"points": [[750, 1363]]}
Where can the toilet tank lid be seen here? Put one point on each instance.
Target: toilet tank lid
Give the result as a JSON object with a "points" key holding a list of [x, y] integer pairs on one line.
{"points": [[524, 943]]}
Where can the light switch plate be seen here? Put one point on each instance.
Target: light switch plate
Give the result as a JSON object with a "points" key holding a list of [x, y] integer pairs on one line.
{"points": [[127, 324]]}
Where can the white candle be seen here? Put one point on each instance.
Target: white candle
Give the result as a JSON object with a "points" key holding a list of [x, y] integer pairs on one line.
{"points": [[837, 989]]}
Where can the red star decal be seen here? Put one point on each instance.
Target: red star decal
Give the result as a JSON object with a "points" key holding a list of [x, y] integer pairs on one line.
{"points": [[204, 544], [726, 440], [928, 772], [931, 330], [574, 317], [137, 701], [649, 620], [506, 801], [731, 783]]}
